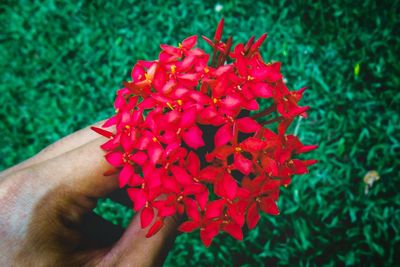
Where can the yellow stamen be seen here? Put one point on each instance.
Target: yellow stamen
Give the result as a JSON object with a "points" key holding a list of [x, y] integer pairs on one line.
{"points": [[179, 198], [170, 106], [215, 100], [249, 78], [180, 45], [147, 76], [206, 69], [179, 101], [155, 139], [238, 149], [173, 69]]}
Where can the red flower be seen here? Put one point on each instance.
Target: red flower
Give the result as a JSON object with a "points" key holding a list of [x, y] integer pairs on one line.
{"points": [[183, 142]]}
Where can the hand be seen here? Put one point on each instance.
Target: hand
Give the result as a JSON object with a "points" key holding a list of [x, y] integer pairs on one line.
{"points": [[46, 200]]}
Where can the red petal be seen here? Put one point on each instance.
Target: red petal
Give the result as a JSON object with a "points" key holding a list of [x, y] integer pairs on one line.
{"points": [[214, 208], [189, 42], [125, 175], [155, 228], [192, 209], [229, 185], [263, 90], [188, 118], [258, 43], [252, 144], [138, 197], [223, 135], [231, 101], [209, 174], [135, 180], [115, 158], [271, 185], [269, 206], [155, 152], [247, 125], [146, 216], [251, 105], [139, 158], [234, 230], [170, 49], [305, 149], [218, 32], [171, 185], [111, 121], [253, 216], [188, 226], [202, 199], [181, 175], [193, 189], [193, 163], [243, 164], [209, 232], [236, 215], [110, 172], [193, 137], [102, 132]]}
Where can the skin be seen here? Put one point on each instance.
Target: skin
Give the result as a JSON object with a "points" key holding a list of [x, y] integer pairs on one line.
{"points": [[44, 201]]}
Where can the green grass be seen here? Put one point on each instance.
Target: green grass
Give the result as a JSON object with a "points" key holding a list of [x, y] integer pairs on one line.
{"points": [[61, 62]]}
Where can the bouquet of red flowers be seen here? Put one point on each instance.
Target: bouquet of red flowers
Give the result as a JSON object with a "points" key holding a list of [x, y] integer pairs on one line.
{"points": [[190, 137]]}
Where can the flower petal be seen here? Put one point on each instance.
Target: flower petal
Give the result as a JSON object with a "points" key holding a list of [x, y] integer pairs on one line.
{"points": [[223, 135], [125, 175], [214, 208], [263, 90], [193, 137], [253, 216], [188, 226], [193, 163], [115, 158], [252, 144], [155, 227], [230, 186], [209, 232], [234, 230], [247, 125], [181, 175], [192, 209], [243, 164], [269, 206], [138, 197], [190, 42], [188, 118], [146, 216]]}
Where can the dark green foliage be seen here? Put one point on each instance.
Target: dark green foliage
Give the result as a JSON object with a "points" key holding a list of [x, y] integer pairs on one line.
{"points": [[60, 64]]}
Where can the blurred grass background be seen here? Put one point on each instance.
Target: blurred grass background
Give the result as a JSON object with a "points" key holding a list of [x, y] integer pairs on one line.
{"points": [[61, 62]]}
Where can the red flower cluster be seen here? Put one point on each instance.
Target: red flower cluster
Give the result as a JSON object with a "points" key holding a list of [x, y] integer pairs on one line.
{"points": [[185, 142]]}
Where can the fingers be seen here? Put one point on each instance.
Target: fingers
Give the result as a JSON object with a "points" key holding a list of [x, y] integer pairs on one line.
{"points": [[81, 170], [134, 249], [64, 145]]}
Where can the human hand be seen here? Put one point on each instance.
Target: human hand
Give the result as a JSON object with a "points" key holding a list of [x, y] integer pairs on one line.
{"points": [[45, 202]]}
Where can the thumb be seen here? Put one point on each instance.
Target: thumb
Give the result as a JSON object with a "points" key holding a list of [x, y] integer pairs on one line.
{"points": [[135, 249]]}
